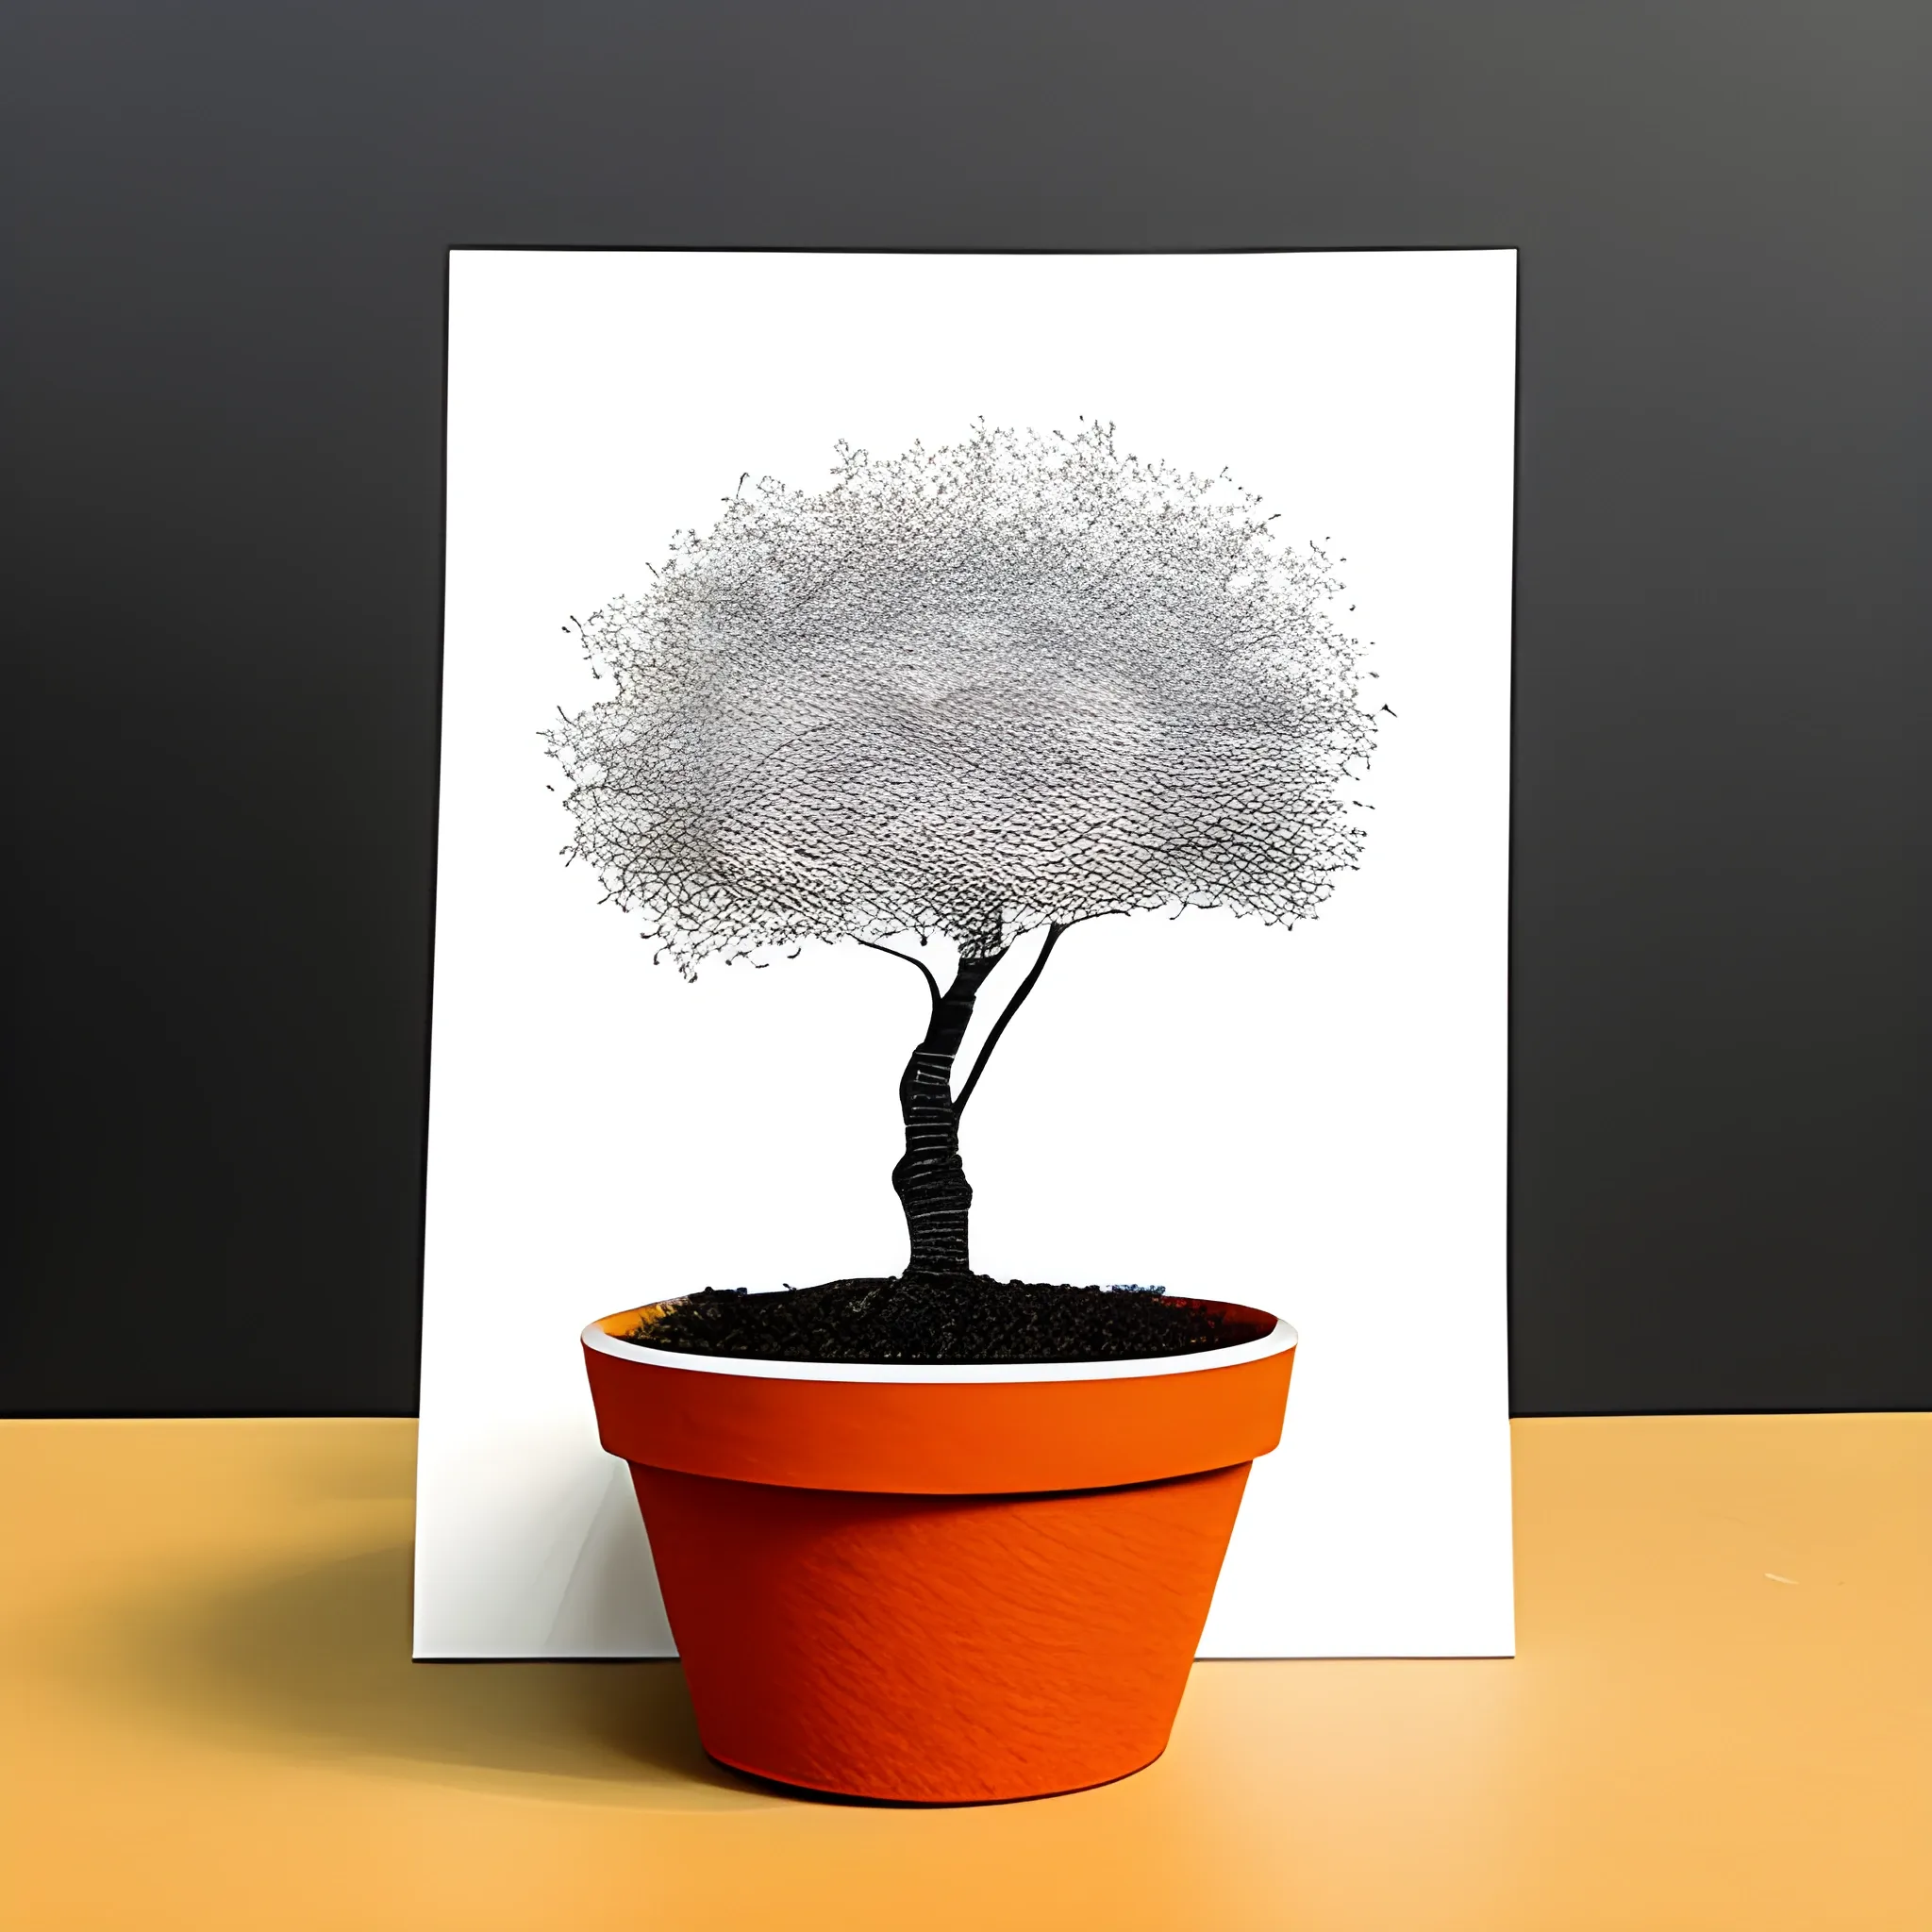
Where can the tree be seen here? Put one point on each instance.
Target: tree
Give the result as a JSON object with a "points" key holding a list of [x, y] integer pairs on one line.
{"points": [[968, 692]]}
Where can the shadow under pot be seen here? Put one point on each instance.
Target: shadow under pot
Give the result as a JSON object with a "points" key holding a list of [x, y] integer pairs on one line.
{"points": [[939, 1584]]}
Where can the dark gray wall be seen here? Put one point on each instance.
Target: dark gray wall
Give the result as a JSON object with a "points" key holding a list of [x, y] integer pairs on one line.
{"points": [[224, 366]]}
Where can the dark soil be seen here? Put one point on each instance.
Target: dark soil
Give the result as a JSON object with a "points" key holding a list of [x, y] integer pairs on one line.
{"points": [[970, 1318]]}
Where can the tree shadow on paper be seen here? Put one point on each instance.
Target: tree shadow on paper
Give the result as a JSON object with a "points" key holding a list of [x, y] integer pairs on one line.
{"points": [[316, 1664]]}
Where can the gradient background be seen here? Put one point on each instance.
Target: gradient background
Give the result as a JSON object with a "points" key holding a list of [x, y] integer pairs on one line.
{"points": [[223, 313]]}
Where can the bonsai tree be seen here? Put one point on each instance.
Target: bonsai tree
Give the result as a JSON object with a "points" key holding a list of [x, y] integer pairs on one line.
{"points": [[965, 694]]}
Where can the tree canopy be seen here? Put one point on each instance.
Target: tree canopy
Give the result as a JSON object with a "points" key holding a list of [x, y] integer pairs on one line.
{"points": [[1017, 681]]}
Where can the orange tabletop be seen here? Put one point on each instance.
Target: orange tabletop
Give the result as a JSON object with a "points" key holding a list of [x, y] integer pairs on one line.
{"points": [[1721, 1716]]}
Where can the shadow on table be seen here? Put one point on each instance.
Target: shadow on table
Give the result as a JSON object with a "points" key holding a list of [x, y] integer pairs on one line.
{"points": [[317, 1664]]}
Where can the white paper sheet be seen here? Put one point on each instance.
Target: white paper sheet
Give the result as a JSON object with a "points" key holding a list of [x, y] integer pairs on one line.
{"points": [[1310, 1121]]}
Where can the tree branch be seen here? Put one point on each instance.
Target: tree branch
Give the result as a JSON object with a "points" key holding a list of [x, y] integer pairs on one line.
{"points": [[999, 1025], [932, 985]]}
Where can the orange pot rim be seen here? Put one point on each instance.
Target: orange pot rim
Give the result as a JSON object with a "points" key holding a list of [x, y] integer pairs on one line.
{"points": [[603, 1337]]}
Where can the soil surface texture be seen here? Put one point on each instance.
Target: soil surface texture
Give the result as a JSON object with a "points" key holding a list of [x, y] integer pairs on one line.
{"points": [[970, 1318]]}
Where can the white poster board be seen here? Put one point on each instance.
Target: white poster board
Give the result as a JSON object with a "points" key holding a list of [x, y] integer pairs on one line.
{"points": [[1311, 1121]]}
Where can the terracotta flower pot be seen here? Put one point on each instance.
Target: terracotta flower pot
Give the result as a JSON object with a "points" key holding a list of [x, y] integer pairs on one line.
{"points": [[938, 1585]]}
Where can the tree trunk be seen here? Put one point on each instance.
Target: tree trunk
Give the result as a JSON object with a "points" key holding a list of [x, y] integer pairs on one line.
{"points": [[930, 1180]]}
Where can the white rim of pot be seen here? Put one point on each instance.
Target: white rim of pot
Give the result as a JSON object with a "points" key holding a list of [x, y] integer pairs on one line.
{"points": [[1278, 1340]]}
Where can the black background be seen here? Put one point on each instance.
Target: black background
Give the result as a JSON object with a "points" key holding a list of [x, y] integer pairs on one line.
{"points": [[225, 262]]}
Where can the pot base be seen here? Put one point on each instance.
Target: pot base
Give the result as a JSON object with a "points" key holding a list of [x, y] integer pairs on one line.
{"points": [[819, 1795], [937, 1650]]}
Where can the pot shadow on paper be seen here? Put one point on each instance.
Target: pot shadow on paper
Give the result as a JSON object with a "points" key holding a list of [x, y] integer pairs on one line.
{"points": [[316, 1664]]}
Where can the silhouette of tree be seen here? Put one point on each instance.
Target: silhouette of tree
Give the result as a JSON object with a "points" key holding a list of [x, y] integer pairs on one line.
{"points": [[967, 693]]}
